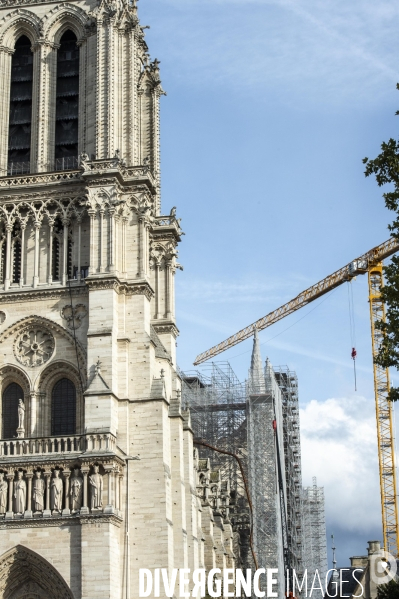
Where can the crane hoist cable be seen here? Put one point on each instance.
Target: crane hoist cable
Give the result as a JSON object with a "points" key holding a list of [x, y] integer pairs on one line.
{"points": [[352, 328]]}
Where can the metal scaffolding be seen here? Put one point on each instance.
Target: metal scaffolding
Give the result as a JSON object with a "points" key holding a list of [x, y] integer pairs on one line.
{"points": [[217, 402], [258, 421], [267, 465], [288, 384], [314, 534]]}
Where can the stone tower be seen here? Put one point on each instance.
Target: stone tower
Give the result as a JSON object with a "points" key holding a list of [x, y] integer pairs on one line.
{"points": [[97, 473]]}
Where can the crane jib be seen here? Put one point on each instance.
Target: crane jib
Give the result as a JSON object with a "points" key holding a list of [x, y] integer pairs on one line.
{"points": [[359, 266]]}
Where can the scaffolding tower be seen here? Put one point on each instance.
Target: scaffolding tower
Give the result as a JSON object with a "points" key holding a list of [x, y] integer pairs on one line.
{"points": [[217, 402], [288, 384], [314, 534], [266, 466], [258, 421]]}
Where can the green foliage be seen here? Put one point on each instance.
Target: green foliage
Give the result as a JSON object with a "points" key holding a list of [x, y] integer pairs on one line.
{"points": [[390, 590], [385, 167]]}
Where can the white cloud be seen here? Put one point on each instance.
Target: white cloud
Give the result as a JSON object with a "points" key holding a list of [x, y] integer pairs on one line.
{"points": [[339, 446]]}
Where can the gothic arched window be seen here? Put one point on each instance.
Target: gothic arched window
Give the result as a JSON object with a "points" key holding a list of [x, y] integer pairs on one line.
{"points": [[16, 253], [67, 103], [19, 133], [11, 396], [55, 248], [63, 408], [3, 254]]}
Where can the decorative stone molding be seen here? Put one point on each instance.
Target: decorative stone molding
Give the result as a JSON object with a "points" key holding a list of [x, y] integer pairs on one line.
{"points": [[38, 210], [57, 369], [62, 17], [163, 329], [34, 346], [74, 315], [46, 324], [52, 487], [139, 288], [38, 179], [163, 251], [16, 23], [34, 295], [14, 374], [21, 565]]}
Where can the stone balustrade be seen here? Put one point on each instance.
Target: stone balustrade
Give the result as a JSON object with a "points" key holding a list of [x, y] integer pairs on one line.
{"points": [[60, 444]]}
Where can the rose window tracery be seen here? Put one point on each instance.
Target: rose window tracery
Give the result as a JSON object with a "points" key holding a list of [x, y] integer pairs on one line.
{"points": [[34, 346]]}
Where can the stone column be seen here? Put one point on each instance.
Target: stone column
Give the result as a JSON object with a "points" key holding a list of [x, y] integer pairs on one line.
{"points": [[83, 95], [31, 425], [79, 274], [21, 279], [85, 509], [36, 257], [117, 490], [65, 274], [157, 290], [124, 248], [10, 513], [43, 106], [168, 267], [101, 239], [172, 291], [66, 511], [50, 252], [5, 75], [111, 264], [120, 491], [109, 508], [117, 265], [92, 214], [28, 512], [140, 236], [8, 257], [47, 511]]}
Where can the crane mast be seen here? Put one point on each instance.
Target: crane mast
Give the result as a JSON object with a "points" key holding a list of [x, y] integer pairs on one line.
{"points": [[370, 263], [384, 416]]}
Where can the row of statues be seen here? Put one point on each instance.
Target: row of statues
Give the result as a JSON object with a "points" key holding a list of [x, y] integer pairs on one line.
{"points": [[57, 489]]}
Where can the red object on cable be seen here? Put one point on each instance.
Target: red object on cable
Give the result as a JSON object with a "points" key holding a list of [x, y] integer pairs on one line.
{"points": [[274, 425], [354, 353]]}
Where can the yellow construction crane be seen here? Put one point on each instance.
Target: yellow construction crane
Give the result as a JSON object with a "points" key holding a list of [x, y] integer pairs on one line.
{"points": [[370, 263]]}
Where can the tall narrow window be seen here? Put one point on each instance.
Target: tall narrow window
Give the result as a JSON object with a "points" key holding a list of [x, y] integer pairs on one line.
{"points": [[67, 103], [10, 410], [55, 248], [69, 256], [20, 107], [16, 253], [3, 253], [63, 408]]}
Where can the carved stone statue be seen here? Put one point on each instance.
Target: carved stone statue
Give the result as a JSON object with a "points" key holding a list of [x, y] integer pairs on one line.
{"points": [[20, 493], [96, 486], [3, 494], [76, 491], [38, 492], [56, 492], [21, 413]]}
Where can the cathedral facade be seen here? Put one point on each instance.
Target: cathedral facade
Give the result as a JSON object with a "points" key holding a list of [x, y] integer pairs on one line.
{"points": [[98, 474]]}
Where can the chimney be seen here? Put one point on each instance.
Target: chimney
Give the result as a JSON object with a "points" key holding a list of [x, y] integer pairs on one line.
{"points": [[373, 547]]}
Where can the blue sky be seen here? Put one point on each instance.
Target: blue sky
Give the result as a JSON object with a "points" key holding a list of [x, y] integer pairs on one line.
{"points": [[271, 107]]}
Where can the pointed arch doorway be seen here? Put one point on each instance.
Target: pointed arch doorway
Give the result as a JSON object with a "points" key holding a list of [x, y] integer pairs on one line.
{"points": [[26, 575]]}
